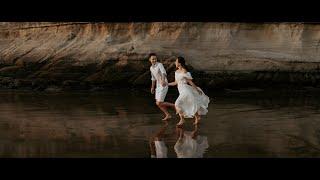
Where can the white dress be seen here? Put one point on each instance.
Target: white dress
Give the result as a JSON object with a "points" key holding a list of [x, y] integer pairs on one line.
{"points": [[156, 74], [190, 101], [187, 147]]}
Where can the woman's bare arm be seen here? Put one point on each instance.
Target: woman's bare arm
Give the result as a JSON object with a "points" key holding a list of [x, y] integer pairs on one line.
{"points": [[172, 83], [163, 79]]}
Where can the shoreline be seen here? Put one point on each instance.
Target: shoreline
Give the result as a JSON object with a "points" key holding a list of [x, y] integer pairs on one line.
{"points": [[220, 81]]}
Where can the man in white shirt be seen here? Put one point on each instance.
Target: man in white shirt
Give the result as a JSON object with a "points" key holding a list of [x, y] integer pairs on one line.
{"points": [[159, 79], [157, 145]]}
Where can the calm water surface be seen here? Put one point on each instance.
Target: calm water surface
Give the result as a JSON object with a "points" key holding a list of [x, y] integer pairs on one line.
{"points": [[120, 124]]}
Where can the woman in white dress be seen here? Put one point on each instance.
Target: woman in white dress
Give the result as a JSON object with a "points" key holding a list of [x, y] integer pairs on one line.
{"points": [[190, 144], [192, 102]]}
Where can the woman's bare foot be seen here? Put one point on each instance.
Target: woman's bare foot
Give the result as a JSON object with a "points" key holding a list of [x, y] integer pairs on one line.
{"points": [[167, 117], [196, 121], [181, 122]]}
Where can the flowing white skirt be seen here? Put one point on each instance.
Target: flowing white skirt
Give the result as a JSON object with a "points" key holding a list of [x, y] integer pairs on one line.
{"points": [[187, 147], [190, 101]]}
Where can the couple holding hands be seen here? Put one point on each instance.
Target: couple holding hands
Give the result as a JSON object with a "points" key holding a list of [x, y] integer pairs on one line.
{"points": [[191, 103]]}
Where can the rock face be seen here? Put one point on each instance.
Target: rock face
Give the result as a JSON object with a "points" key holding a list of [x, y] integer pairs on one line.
{"points": [[85, 55]]}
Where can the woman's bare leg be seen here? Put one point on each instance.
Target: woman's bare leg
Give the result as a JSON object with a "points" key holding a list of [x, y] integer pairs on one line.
{"points": [[197, 119], [181, 122]]}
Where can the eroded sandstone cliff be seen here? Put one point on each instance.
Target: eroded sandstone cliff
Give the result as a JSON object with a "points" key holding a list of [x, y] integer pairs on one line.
{"points": [[84, 55]]}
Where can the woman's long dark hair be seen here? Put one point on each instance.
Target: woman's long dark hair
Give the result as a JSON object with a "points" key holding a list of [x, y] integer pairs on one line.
{"points": [[182, 61]]}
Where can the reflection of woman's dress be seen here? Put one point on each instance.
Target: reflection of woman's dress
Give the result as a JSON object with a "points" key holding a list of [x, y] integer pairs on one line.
{"points": [[187, 147], [190, 101], [161, 149]]}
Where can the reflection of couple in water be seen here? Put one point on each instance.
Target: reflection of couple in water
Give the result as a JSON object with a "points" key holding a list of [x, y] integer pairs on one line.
{"points": [[191, 103], [189, 144]]}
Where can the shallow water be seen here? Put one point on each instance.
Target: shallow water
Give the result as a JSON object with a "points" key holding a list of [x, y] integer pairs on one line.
{"points": [[119, 124]]}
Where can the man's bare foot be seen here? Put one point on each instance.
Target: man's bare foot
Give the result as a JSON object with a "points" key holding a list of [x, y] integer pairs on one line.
{"points": [[167, 118]]}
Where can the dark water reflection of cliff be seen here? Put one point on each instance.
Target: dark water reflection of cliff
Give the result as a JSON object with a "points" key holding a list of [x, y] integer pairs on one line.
{"points": [[120, 124]]}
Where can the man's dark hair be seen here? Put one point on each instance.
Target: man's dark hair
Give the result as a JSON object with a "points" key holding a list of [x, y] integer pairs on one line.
{"points": [[151, 54]]}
